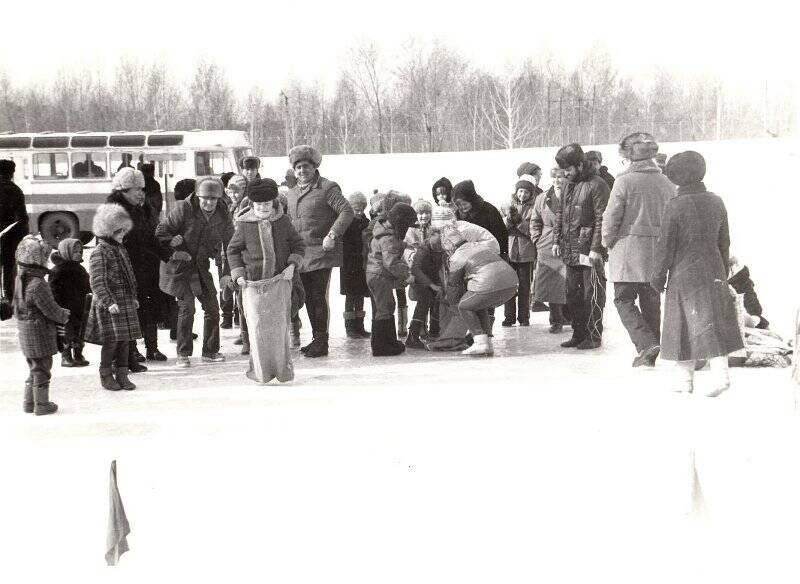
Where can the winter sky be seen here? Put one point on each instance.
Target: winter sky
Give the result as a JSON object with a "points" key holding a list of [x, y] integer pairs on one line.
{"points": [[266, 43]]}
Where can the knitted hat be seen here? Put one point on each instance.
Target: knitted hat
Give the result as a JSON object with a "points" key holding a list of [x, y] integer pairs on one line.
{"points": [[570, 155], [237, 183], [71, 249], [225, 177], [465, 190], [110, 218], [7, 167], [305, 152], [402, 216], [686, 168], [357, 198], [32, 250], [184, 188], [210, 187], [127, 178], [638, 146], [441, 216], [250, 162], [262, 190], [528, 168], [527, 182], [422, 206]]}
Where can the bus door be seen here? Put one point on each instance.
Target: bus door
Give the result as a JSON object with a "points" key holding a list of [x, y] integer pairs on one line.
{"points": [[164, 163]]}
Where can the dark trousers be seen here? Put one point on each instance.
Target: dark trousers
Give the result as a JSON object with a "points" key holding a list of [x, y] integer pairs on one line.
{"points": [[383, 303], [148, 312], [316, 283], [556, 313], [353, 303], [39, 368], [242, 318], [226, 302], [426, 303], [186, 310], [9, 269], [642, 322], [402, 300], [519, 307], [586, 298], [72, 331], [114, 353]]}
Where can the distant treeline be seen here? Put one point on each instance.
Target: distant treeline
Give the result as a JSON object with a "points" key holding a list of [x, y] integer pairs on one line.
{"points": [[428, 98]]}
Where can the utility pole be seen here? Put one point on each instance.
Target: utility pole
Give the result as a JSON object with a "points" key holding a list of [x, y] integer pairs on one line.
{"points": [[286, 121]]}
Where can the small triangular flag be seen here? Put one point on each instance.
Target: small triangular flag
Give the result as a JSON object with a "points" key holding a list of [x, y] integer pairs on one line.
{"points": [[118, 527]]}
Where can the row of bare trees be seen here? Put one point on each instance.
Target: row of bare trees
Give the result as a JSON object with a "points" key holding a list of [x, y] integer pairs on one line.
{"points": [[425, 97]]}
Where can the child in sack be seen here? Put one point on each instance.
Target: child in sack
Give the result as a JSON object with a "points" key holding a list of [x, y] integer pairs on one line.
{"points": [[69, 282], [37, 318]]}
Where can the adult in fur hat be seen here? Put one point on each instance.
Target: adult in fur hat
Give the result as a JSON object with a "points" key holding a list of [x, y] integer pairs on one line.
{"points": [[700, 320], [193, 233], [113, 320], [12, 210], [631, 226], [69, 282], [38, 316], [577, 234], [145, 255], [321, 215]]}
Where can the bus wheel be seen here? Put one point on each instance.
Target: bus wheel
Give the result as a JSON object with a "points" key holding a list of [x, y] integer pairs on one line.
{"points": [[86, 237], [57, 226]]}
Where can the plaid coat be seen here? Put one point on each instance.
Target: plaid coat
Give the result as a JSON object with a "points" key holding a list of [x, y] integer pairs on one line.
{"points": [[113, 282], [37, 318]]}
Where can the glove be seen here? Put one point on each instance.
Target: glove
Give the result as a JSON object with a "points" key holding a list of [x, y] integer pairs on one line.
{"points": [[658, 284], [288, 272], [176, 241], [556, 250], [225, 281], [241, 282], [514, 217], [329, 243], [61, 337], [182, 256], [113, 309], [596, 258]]}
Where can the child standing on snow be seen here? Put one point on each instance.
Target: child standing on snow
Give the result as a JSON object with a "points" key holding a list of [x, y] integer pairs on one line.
{"points": [[521, 250], [353, 277], [37, 317], [69, 282], [425, 271]]}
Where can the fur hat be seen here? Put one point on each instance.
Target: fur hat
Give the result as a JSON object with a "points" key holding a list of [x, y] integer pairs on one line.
{"points": [[71, 250], [686, 168], [527, 182], [216, 190], [465, 190], [528, 168], [594, 156], [441, 216], [357, 198], [250, 162], [570, 155], [184, 188], [32, 250], [402, 216], [389, 200], [422, 206], [638, 146], [127, 178], [237, 183], [110, 218], [305, 152], [7, 167], [262, 190]]}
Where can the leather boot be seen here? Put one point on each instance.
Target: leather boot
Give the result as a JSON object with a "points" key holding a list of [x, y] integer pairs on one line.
{"points": [[122, 378], [42, 404], [78, 356], [384, 339], [107, 379], [28, 403], [364, 334], [402, 321], [318, 347], [227, 321], [413, 341], [66, 358], [350, 325], [134, 364]]}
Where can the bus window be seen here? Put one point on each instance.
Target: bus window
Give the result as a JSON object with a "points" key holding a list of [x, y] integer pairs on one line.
{"points": [[89, 165], [50, 165], [211, 163], [120, 160]]}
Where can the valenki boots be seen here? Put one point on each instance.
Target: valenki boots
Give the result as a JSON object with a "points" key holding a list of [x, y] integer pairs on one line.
{"points": [[42, 404], [107, 379], [77, 351], [28, 403], [359, 320], [384, 339], [122, 379], [481, 346], [402, 321], [350, 325]]}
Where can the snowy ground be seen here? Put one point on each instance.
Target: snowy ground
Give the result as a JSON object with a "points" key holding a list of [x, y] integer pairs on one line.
{"points": [[538, 465]]}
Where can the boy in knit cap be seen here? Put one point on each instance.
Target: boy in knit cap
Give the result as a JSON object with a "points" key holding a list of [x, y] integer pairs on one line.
{"points": [[37, 318], [69, 282], [353, 277]]}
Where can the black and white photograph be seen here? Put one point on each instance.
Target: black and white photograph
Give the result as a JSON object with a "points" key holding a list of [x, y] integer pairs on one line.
{"points": [[399, 292]]}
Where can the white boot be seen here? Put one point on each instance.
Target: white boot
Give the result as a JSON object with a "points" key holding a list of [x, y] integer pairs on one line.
{"points": [[482, 345], [719, 375], [684, 380]]}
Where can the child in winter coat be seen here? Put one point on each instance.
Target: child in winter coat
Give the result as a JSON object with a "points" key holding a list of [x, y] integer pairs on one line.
{"points": [[353, 277], [37, 318], [521, 251], [425, 272], [386, 271], [113, 322], [69, 282]]}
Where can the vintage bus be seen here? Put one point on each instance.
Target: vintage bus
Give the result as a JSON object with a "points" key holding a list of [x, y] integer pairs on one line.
{"points": [[65, 176]]}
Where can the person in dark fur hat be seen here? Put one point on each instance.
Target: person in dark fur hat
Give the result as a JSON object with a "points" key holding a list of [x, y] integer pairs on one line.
{"points": [[69, 282], [595, 158], [530, 168], [442, 191], [577, 236], [184, 188], [250, 166], [12, 210]]}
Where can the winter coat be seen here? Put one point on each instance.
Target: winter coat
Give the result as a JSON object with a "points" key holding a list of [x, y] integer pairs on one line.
{"points": [[353, 275], [69, 282], [487, 216], [743, 284], [427, 264], [246, 250], [386, 256], [142, 245], [316, 211], [579, 219], [482, 269], [549, 283], [202, 239], [152, 195], [607, 176], [700, 319], [632, 221], [520, 246], [37, 315], [113, 282], [12, 209]]}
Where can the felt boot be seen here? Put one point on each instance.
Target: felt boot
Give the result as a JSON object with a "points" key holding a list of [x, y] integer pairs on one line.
{"points": [[66, 358], [359, 320], [28, 403], [402, 321], [107, 379], [122, 378], [42, 404], [481, 346], [684, 377]]}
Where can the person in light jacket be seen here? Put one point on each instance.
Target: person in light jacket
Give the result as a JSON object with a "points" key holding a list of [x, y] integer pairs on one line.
{"points": [[521, 250]]}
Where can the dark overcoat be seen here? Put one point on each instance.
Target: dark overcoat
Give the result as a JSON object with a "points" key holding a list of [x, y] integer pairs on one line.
{"points": [[550, 279], [700, 319], [579, 218], [12, 209], [69, 282], [353, 275], [113, 282], [37, 316]]}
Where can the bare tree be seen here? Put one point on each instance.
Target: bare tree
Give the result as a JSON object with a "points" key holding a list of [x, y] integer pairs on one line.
{"points": [[366, 72], [510, 108], [345, 113], [213, 105]]}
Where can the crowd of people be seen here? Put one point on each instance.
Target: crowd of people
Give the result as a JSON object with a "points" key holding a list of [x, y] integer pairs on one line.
{"points": [[653, 229]]}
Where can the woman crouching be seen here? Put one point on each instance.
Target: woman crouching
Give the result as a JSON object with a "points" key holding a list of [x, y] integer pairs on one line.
{"points": [[113, 322], [264, 245], [478, 281]]}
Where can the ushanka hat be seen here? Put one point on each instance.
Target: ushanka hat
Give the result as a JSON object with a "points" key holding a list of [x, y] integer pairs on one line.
{"points": [[686, 168], [570, 155], [528, 168], [305, 152], [638, 146], [250, 163], [262, 190], [127, 178], [402, 216]]}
